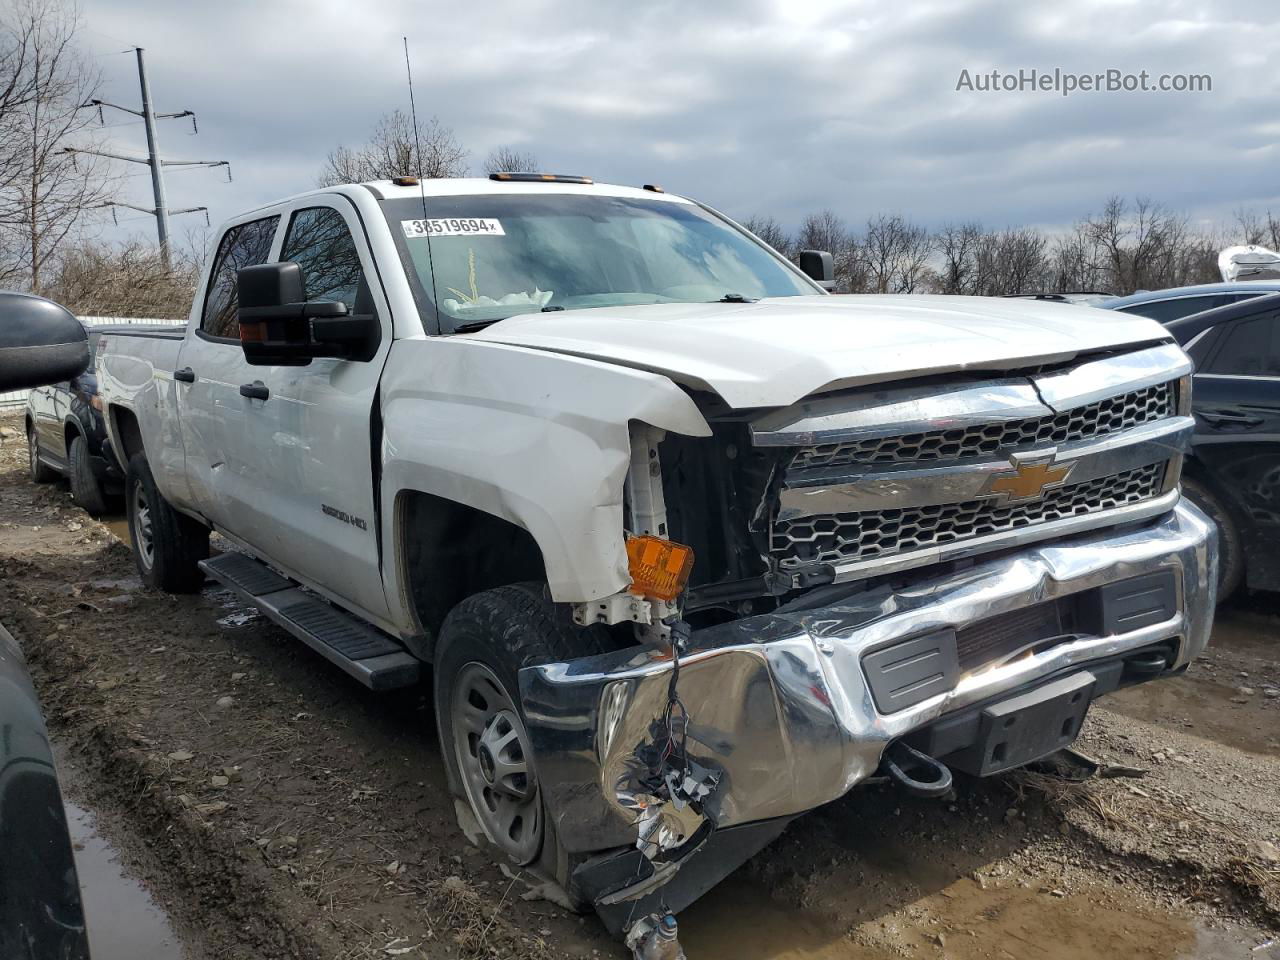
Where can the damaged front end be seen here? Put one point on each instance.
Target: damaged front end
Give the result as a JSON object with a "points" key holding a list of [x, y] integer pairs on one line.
{"points": [[667, 769], [910, 568]]}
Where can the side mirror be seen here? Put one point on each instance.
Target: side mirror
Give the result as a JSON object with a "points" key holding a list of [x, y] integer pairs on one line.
{"points": [[279, 326], [40, 342], [819, 265]]}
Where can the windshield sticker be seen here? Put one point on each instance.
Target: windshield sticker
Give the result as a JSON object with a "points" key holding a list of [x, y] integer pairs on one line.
{"points": [[453, 227]]}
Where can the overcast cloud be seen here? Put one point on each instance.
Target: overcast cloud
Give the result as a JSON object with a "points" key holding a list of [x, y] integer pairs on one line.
{"points": [[762, 107]]}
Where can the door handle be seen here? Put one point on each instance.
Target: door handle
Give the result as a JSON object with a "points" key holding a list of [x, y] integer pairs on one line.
{"points": [[1225, 418], [186, 375], [255, 391]]}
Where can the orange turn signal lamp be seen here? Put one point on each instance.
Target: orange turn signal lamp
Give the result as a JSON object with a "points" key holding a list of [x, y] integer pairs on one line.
{"points": [[659, 568], [515, 177]]}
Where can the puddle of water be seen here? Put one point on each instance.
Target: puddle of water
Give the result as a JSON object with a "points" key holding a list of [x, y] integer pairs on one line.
{"points": [[119, 527], [962, 921], [122, 920]]}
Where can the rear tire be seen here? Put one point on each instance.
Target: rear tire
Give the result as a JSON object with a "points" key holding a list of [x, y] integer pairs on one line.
{"points": [[40, 471], [1230, 549], [484, 643], [167, 545], [85, 489]]}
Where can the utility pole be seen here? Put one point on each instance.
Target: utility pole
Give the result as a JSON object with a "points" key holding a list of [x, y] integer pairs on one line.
{"points": [[161, 209], [153, 158]]}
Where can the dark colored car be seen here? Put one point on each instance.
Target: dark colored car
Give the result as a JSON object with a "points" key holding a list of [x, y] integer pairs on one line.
{"points": [[66, 436], [1234, 470], [1177, 302]]}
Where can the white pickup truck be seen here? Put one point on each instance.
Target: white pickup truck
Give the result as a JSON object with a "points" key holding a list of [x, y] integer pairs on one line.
{"points": [[690, 546]]}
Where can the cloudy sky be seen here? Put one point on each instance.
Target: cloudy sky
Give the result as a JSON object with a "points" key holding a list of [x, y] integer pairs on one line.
{"points": [[762, 107]]}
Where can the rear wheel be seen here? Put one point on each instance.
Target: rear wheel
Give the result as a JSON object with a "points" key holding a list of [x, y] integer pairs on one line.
{"points": [[85, 489], [484, 643], [167, 545], [40, 471], [1230, 549]]}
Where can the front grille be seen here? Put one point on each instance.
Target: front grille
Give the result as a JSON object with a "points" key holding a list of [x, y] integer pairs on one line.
{"points": [[845, 537], [1093, 420]]}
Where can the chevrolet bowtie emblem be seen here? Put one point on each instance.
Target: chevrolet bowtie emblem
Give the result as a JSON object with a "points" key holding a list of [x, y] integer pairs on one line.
{"points": [[1029, 479]]}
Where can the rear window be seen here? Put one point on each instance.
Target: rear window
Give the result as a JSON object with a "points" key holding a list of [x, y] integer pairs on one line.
{"points": [[244, 245]]}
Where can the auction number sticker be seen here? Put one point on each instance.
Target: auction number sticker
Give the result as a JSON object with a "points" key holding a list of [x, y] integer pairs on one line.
{"points": [[453, 227]]}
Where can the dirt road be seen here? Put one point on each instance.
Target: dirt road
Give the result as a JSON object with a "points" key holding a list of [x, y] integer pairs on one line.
{"points": [[276, 809]]}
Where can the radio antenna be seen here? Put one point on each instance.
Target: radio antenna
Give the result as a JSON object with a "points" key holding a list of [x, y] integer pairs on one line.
{"points": [[417, 137], [417, 148]]}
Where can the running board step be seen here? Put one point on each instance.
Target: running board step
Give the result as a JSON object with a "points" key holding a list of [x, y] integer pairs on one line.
{"points": [[366, 654]]}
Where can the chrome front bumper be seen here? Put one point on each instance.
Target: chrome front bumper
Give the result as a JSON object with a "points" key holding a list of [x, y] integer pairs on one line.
{"points": [[780, 704]]}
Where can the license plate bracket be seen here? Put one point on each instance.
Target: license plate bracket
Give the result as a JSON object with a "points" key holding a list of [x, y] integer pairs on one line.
{"points": [[1028, 726]]}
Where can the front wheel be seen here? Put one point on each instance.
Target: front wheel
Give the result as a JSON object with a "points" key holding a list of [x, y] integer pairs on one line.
{"points": [[484, 643], [85, 489], [167, 545]]}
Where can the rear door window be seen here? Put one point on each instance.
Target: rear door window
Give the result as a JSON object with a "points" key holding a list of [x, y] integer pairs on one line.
{"points": [[320, 243], [244, 245], [1249, 348]]}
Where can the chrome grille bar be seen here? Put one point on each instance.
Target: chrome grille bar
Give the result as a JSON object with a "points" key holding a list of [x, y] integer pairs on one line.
{"points": [[867, 535]]}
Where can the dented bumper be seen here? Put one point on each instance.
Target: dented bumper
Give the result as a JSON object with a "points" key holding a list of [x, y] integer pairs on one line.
{"points": [[781, 705]]}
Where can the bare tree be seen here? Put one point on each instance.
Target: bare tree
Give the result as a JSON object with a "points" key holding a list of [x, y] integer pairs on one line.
{"points": [[125, 280], [896, 254], [826, 231], [957, 247], [506, 159], [770, 231], [393, 151], [46, 193]]}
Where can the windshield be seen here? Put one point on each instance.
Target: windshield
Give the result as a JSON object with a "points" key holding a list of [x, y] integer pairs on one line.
{"points": [[483, 258]]}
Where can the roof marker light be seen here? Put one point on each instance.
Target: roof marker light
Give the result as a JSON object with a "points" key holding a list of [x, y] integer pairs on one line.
{"points": [[539, 178]]}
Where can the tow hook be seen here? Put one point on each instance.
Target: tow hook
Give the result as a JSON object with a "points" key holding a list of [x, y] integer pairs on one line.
{"points": [[1147, 664], [916, 772]]}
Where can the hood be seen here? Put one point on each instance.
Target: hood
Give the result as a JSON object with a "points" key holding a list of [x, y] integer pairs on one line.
{"points": [[772, 353]]}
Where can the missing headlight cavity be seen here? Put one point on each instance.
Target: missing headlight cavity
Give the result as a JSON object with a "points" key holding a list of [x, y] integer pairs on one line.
{"points": [[720, 493]]}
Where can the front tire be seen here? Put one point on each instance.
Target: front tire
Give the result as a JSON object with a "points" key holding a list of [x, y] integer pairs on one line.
{"points": [[167, 545], [85, 489], [484, 643], [1230, 548], [40, 471]]}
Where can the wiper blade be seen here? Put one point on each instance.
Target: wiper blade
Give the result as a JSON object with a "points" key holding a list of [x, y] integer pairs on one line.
{"points": [[733, 298], [473, 325]]}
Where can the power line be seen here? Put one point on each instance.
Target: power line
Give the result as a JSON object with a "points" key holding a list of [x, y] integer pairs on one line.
{"points": [[153, 160]]}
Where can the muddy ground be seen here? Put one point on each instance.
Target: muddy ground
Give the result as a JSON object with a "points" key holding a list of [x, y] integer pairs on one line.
{"points": [[276, 809]]}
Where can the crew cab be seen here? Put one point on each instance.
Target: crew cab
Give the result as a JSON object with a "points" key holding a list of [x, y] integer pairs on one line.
{"points": [[690, 546]]}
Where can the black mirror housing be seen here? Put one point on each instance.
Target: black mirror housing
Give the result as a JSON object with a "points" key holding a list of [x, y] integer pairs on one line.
{"points": [[40, 342], [820, 266], [280, 327]]}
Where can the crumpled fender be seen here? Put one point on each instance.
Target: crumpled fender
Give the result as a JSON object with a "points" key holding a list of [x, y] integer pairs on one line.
{"points": [[539, 439]]}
